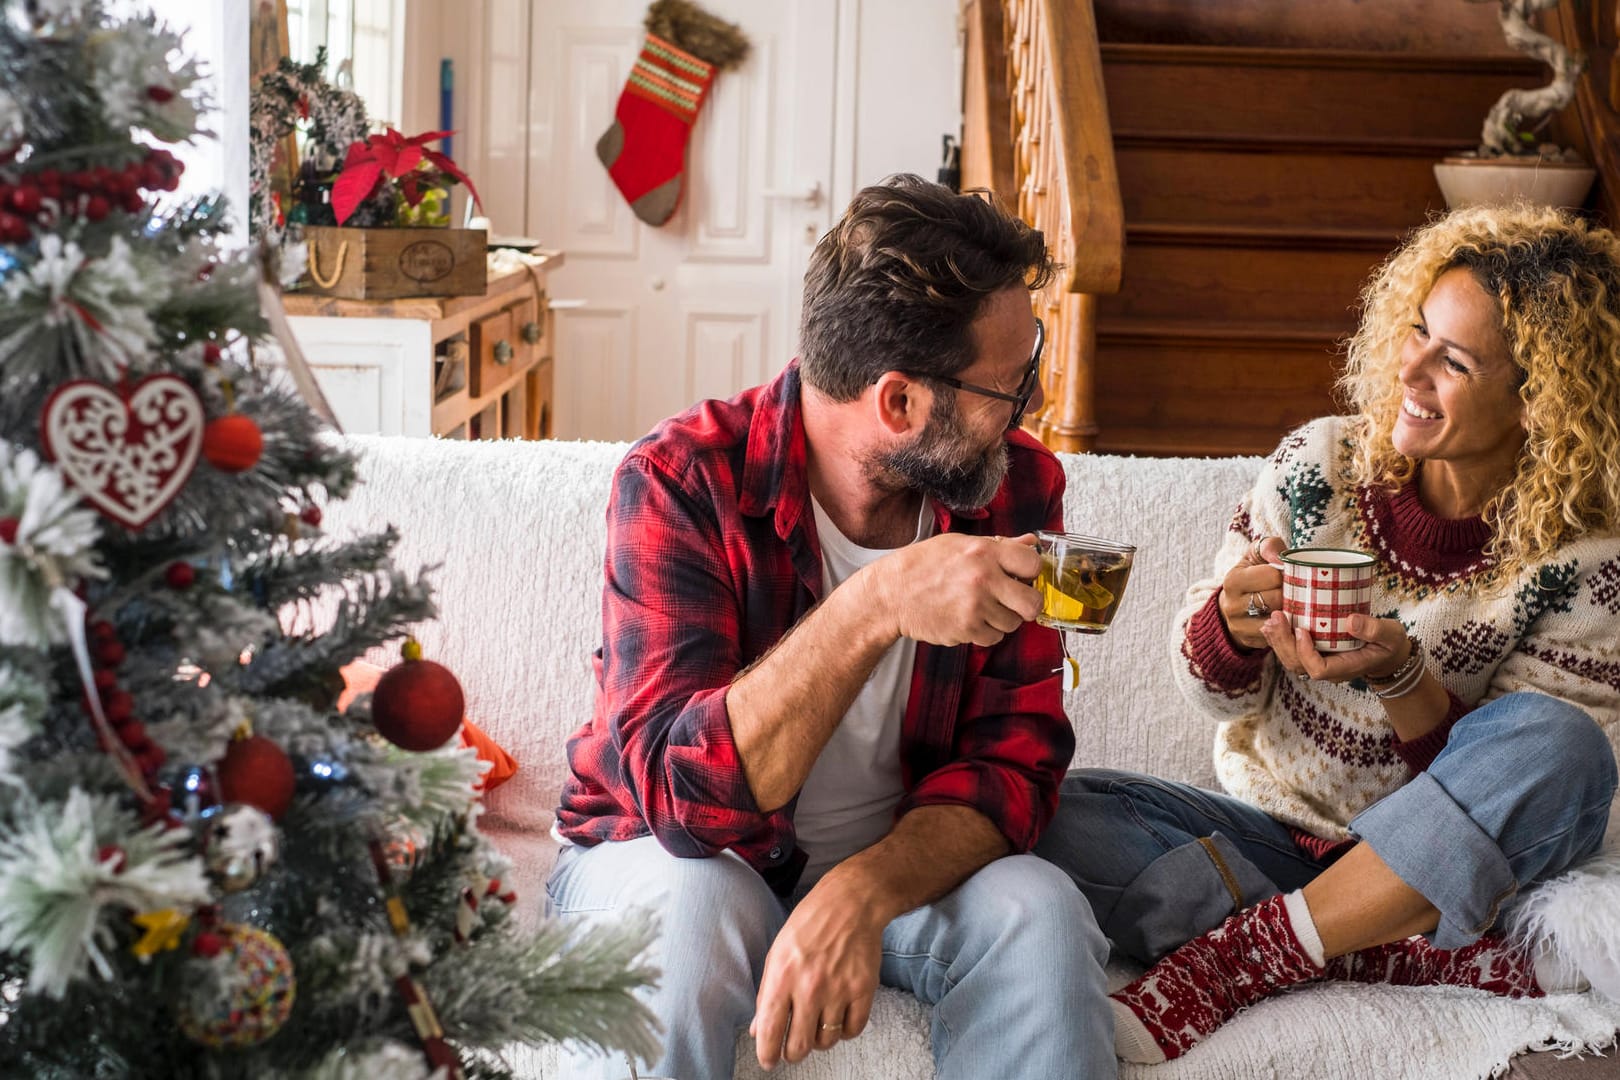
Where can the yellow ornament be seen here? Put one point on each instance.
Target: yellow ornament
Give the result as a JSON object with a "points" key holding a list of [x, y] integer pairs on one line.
{"points": [[164, 929]]}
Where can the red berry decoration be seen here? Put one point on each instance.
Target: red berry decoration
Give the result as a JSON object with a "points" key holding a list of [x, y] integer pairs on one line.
{"points": [[180, 575], [418, 704], [257, 772], [150, 758], [106, 679], [212, 353], [232, 443], [311, 516], [117, 706], [96, 207], [207, 944], [112, 853], [160, 94], [13, 229], [26, 201], [8, 530], [108, 653]]}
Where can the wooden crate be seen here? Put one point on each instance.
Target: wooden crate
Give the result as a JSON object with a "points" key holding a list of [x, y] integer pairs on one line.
{"points": [[388, 264]]}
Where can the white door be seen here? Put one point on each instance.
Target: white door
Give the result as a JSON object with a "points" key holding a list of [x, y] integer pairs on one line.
{"points": [[708, 303]]}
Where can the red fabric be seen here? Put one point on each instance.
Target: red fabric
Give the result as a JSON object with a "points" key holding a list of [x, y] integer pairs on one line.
{"points": [[711, 558], [655, 113], [1188, 994], [1216, 657], [1325, 851], [361, 678], [1491, 964], [1420, 753]]}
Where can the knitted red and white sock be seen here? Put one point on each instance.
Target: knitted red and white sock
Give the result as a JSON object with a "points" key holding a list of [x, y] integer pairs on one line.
{"points": [[645, 149], [1492, 964], [1180, 1000]]}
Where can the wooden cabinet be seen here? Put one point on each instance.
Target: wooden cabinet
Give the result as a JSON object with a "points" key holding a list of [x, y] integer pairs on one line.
{"points": [[466, 367]]}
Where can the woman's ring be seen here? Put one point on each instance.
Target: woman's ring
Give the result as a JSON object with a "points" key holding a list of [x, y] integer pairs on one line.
{"points": [[1257, 607]]}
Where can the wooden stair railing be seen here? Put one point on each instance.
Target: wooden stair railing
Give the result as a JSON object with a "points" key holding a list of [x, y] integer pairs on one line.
{"points": [[1594, 28], [1068, 187]]}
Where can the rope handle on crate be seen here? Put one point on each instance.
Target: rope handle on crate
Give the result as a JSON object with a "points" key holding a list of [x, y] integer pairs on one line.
{"points": [[337, 269]]}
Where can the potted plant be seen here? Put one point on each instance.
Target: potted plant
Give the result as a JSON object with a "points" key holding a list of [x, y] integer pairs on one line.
{"points": [[1512, 162]]}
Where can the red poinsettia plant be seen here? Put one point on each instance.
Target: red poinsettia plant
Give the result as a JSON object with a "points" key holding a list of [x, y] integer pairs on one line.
{"points": [[390, 158]]}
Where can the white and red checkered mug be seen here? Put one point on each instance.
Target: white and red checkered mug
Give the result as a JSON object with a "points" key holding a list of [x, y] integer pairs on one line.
{"points": [[1322, 588]]}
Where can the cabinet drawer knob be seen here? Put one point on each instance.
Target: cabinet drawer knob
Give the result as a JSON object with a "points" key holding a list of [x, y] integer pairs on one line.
{"points": [[531, 333], [503, 351]]}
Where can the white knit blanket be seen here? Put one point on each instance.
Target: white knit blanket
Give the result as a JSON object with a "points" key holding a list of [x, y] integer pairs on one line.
{"points": [[519, 530]]}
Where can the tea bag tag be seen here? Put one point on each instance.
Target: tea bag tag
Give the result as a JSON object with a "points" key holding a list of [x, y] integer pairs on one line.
{"points": [[1071, 673]]}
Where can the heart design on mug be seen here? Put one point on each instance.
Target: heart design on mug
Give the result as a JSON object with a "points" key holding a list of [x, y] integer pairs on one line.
{"points": [[129, 450]]}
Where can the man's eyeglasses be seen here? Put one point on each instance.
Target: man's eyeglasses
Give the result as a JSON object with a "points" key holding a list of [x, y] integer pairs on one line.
{"points": [[1026, 386]]}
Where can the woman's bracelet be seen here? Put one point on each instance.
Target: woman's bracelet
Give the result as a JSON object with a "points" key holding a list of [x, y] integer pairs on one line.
{"points": [[1404, 679]]}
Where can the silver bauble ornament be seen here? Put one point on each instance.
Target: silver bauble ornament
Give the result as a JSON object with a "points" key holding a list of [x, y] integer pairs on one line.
{"points": [[239, 843]]}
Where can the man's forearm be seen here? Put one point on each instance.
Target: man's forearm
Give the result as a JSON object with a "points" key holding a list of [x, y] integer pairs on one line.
{"points": [[929, 852], [785, 707]]}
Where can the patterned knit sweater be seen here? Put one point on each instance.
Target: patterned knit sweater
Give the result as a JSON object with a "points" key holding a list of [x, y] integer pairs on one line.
{"points": [[1314, 754]]}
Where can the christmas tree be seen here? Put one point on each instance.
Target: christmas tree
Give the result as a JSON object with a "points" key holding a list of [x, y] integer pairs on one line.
{"points": [[206, 869]]}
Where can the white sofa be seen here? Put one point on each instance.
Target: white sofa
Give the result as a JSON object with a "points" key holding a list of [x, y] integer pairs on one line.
{"points": [[519, 530]]}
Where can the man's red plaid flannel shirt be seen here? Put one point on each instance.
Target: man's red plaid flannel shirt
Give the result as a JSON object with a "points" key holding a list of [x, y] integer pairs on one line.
{"points": [[711, 558]]}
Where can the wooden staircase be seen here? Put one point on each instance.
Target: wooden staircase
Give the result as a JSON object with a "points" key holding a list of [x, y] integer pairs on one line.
{"points": [[1268, 156]]}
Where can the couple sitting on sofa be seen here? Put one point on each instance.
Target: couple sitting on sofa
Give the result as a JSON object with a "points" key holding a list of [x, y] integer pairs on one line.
{"points": [[828, 746]]}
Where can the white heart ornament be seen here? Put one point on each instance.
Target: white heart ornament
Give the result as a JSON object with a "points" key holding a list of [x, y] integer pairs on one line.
{"points": [[129, 451]]}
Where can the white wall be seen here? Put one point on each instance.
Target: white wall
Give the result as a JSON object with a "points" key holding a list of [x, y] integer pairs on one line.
{"points": [[217, 34], [900, 89]]}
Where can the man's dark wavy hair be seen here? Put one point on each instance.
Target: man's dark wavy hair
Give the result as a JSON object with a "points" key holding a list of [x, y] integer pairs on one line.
{"points": [[896, 283]]}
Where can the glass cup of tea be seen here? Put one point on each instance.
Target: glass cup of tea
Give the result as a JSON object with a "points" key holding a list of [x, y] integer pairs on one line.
{"points": [[1082, 580]]}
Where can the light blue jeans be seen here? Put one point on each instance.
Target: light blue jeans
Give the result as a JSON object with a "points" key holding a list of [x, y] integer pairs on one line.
{"points": [[1520, 793], [1011, 962]]}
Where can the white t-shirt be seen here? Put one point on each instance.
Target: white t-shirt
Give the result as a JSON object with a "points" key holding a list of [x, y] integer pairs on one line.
{"points": [[847, 802]]}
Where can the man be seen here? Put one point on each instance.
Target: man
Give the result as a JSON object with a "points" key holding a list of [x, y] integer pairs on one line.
{"points": [[827, 732]]}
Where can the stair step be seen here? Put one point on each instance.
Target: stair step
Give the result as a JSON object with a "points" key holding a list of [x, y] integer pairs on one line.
{"points": [[1389, 25], [1166, 185], [1169, 395], [1314, 237], [1236, 283], [1305, 337], [1301, 94]]}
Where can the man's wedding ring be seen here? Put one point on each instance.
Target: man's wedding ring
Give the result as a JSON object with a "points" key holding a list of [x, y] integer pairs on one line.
{"points": [[832, 1027], [1257, 607]]}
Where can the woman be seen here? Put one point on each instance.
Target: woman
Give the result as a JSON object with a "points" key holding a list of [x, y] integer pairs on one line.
{"points": [[1418, 784]]}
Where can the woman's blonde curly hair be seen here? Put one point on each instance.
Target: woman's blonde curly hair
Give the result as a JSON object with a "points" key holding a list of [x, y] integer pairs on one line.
{"points": [[1556, 280]]}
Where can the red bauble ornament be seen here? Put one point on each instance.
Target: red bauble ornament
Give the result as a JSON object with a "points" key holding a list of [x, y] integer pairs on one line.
{"points": [[418, 705], [180, 575], [232, 443], [257, 772]]}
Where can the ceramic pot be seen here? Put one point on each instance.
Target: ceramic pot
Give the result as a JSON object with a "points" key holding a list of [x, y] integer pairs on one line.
{"points": [[1469, 181]]}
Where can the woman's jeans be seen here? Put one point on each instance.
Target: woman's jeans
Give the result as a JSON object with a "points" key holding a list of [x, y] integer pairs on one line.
{"points": [[1011, 962], [1520, 793]]}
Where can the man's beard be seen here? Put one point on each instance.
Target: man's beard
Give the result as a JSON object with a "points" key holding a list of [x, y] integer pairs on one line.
{"points": [[941, 462]]}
